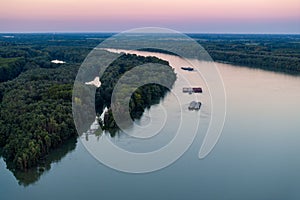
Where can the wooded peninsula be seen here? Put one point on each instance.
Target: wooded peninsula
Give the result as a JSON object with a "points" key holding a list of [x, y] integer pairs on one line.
{"points": [[36, 94]]}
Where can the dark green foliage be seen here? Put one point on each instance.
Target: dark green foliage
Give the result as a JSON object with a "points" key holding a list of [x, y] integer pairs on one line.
{"points": [[143, 97], [28, 51], [35, 94], [146, 96], [33, 174], [36, 115], [10, 68], [35, 106], [280, 53]]}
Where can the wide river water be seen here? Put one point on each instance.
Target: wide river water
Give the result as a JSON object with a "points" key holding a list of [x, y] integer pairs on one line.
{"points": [[257, 156]]}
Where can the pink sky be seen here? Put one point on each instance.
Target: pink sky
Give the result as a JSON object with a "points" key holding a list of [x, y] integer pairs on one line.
{"points": [[183, 15]]}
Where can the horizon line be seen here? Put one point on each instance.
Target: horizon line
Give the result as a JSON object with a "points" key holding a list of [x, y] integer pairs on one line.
{"points": [[116, 32]]}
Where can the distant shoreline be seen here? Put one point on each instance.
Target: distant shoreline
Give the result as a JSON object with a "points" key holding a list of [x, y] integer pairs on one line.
{"points": [[115, 32]]}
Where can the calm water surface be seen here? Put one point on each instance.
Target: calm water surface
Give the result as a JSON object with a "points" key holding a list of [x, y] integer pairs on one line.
{"points": [[257, 156]]}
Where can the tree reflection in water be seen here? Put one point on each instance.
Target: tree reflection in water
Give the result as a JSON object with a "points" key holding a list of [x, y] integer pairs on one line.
{"points": [[31, 176]]}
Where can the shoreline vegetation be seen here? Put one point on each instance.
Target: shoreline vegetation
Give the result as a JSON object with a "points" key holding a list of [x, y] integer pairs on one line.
{"points": [[33, 174], [142, 98], [36, 95]]}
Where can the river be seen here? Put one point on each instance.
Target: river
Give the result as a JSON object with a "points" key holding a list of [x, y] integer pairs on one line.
{"points": [[257, 156]]}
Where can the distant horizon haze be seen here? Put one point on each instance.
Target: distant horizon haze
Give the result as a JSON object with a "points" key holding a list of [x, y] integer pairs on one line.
{"points": [[188, 16]]}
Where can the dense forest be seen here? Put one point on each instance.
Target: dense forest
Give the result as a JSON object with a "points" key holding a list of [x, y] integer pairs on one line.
{"points": [[280, 53], [36, 114], [35, 94], [143, 97], [36, 97], [32, 175]]}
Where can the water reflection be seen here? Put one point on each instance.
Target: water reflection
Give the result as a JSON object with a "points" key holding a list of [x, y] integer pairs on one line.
{"points": [[31, 176], [257, 156]]}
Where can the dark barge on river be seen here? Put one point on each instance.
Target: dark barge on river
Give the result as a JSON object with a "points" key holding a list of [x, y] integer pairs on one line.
{"points": [[187, 68], [192, 90]]}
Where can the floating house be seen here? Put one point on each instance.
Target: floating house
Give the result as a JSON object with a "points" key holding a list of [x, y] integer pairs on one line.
{"points": [[192, 90], [195, 105]]}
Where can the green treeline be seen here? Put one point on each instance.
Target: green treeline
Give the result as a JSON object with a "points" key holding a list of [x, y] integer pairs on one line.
{"points": [[10, 68], [30, 176], [280, 53], [36, 106], [36, 115], [140, 98], [25, 53], [36, 97], [35, 94]]}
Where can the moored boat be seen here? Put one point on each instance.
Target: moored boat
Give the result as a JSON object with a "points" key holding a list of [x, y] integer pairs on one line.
{"points": [[187, 68], [192, 90], [195, 105]]}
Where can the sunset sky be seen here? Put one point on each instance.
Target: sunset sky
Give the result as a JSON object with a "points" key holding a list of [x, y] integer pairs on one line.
{"points": [[206, 16]]}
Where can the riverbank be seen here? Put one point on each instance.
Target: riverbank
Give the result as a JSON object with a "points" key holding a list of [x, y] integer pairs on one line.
{"points": [[278, 64], [245, 151]]}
